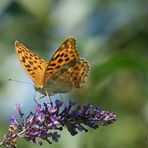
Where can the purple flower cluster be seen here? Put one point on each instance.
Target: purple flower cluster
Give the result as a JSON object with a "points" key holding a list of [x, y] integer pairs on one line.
{"points": [[47, 120]]}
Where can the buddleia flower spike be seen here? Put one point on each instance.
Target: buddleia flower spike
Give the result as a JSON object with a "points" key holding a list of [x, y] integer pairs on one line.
{"points": [[48, 120]]}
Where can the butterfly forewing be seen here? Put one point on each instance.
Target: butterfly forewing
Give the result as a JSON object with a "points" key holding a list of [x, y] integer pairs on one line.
{"points": [[34, 65], [66, 53]]}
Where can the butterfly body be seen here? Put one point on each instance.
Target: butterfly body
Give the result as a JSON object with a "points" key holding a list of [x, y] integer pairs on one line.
{"points": [[65, 71], [53, 88]]}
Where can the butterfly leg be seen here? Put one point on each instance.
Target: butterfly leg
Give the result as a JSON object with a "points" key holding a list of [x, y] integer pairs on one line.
{"points": [[37, 99], [48, 97], [62, 99], [34, 95]]}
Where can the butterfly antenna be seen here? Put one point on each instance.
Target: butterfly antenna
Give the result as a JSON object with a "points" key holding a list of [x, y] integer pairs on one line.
{"points": [[20, 81]]}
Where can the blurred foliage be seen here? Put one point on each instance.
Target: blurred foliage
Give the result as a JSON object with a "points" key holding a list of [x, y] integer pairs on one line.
{"points": [[111, 35]]}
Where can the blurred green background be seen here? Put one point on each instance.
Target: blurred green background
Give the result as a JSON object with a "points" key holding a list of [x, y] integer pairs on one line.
{"points": [[111, 35]]}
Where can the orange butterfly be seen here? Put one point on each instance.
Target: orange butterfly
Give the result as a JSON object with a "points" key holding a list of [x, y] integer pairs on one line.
{"points": [[65, 71]]}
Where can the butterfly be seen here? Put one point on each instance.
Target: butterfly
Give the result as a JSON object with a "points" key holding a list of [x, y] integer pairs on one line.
{"points": [[64, 72]]}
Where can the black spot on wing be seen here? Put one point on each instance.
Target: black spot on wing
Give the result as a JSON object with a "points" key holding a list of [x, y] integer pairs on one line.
{"points": [[50, 72], [29, 69], [26, 57], [28, 66], [35, 68], [56, 56], [30, 58], [19, 51], [39, 67], [57, 67], [54, 64], [75, 78], [62, 55], [67, 59], [49, 68], [76, 68], [30, 62], [66, 55], [60, 60], [23, 59]]}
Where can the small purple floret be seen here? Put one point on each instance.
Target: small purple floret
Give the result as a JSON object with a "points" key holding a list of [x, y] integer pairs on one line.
{"points": [[13, 120]]}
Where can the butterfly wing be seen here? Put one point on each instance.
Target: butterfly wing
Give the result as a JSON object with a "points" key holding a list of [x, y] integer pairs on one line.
{"points": [[77, 73], [70, 76], [66, 53], [34, 65]]}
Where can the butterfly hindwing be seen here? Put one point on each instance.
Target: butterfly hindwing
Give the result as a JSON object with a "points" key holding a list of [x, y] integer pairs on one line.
{"points": [[77, 73], [34, 65], [70, 76]]}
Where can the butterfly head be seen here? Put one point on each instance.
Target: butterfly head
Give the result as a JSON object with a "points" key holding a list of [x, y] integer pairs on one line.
{"points": [[39, 89], [44, 90]]}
